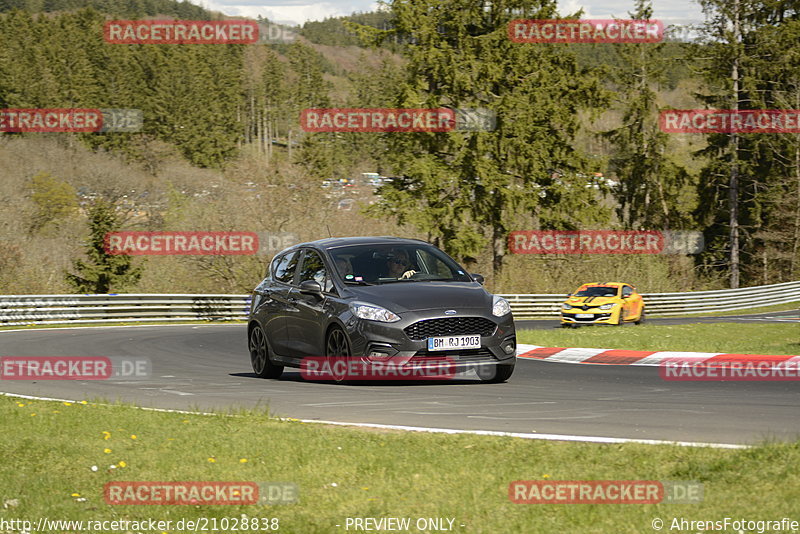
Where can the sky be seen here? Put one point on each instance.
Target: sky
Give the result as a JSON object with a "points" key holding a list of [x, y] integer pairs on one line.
{"points": [[298, 11]]}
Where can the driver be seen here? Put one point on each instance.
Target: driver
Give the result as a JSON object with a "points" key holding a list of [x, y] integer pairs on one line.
{"points": [[399, 265]]}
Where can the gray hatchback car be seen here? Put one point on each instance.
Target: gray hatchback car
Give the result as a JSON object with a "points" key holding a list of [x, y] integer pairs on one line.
{"points": [[378, 299]]}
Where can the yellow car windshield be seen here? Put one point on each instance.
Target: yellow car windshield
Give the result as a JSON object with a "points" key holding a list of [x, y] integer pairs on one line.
{"points": [[597, 291]]}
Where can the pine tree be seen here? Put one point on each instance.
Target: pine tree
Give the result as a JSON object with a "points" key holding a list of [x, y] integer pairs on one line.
{"points": [[649, 181], [469, 189], [731, 208], [102, 272]]}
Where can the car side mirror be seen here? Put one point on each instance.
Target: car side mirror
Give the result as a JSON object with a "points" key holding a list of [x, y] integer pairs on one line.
{"points": [[478, 278], [310, 287]]}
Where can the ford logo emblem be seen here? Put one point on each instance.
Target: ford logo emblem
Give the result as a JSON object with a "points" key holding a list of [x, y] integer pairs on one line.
{"points": [[450, 312]]}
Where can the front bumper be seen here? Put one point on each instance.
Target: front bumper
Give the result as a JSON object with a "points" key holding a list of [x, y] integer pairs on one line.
{"points": [[389, 342], [589, 317]]}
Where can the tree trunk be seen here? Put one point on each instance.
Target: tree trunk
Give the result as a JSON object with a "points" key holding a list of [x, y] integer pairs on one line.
{"points": [[733, 189]]}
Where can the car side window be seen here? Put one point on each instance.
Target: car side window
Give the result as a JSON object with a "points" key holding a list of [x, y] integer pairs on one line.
{"points": [[285, 267], [314, 269], [627, 291], [434, 265]]}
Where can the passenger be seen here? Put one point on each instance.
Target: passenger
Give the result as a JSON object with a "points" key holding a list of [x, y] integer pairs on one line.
{"points": [[344, 267]]}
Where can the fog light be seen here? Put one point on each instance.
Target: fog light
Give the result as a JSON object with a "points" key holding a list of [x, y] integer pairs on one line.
{"points": [[375, 355], [509, 348]]}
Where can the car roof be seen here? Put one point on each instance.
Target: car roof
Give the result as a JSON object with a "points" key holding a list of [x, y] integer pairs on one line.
{"points": [[612, 284], [336, 242]]}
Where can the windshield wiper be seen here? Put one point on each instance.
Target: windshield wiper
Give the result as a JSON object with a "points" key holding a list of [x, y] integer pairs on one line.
{"points": [[359, 282]]}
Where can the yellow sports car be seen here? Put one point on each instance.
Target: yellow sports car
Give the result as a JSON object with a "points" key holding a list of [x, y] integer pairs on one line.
{"points": [[606, 303]]}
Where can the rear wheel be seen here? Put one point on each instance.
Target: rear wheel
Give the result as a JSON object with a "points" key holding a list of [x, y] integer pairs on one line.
{"points": [[640, 320], [260, 355]]}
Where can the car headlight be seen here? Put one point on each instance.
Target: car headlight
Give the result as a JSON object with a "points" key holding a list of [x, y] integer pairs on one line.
{"points": [[372, 312], [607, 306], [566, 306], [500, 306]]}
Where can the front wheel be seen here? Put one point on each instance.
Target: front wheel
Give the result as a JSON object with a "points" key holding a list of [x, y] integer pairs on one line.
{"points": [[337, 349], [501, 374], [259, 355]]}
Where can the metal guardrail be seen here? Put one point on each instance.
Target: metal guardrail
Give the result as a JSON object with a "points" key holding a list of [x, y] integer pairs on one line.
{"points": [[16, 310]]}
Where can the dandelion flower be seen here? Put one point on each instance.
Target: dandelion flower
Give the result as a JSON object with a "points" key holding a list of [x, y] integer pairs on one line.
{"points": [[21, 405], [242, 460], [107, 451], [545, 476], [122, 463], [83, 402], [133, 436], [75, 495], [106, 435], [212, 460], [67, 404], [33, 415]]}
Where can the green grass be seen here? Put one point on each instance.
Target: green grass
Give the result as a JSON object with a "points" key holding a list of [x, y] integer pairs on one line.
{"points": [[747, 338], [341, 472], [765, 309]]}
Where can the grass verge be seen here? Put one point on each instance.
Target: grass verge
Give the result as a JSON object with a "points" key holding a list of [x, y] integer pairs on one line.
{"points": [[49, 448], [758, 338]]}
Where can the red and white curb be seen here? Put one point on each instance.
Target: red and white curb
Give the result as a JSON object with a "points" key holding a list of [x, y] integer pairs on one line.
{"points": [[635, 357]]}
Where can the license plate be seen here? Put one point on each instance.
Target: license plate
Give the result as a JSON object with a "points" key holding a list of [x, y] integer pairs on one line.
{"points": [[584, 315], [454, 342]]}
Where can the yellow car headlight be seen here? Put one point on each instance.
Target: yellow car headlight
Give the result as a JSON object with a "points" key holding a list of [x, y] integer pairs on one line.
{"points": [[607, 306]]}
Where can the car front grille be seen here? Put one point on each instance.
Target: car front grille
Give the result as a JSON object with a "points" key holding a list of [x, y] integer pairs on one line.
{"points": [[481, 355], [450, 326], [597, 317]]}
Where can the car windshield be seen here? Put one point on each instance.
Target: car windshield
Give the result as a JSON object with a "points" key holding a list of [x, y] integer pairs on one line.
{"points": [[383, 264], [597, 291]]}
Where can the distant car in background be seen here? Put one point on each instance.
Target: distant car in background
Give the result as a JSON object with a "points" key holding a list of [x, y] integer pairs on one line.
{"points": [[603, 303]]}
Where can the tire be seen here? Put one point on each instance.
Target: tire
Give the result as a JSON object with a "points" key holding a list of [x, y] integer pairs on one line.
{"points": [[620, 320], [501, 374], [337, 347], [641, 318], [260, 355]]}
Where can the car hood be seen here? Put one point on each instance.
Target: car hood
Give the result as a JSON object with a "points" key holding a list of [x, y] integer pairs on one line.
{"points": [[590, 301], [401, 297]]}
